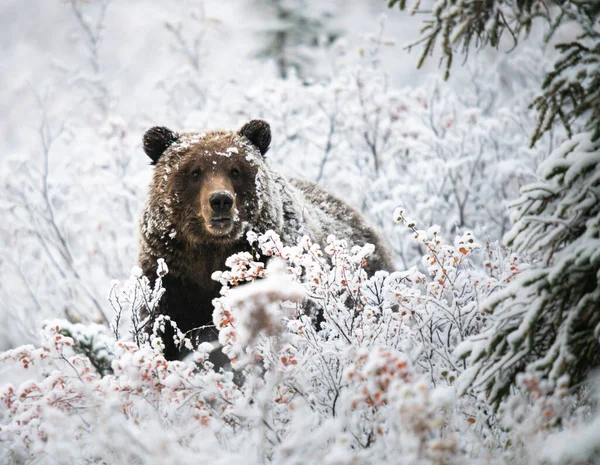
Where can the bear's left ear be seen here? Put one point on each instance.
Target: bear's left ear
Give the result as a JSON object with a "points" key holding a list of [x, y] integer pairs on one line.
{"points": [[259, 133], [157, 140]]}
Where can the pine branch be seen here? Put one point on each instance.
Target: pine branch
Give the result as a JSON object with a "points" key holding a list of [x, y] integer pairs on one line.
{"points": [[570, 92], [547, 320]]}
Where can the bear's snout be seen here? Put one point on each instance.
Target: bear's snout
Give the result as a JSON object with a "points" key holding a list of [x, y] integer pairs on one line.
{"points": [[218, 204], [221, 202]]}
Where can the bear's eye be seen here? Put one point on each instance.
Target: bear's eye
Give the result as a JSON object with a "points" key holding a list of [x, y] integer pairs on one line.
{"points": [[235, 173], [196, 174]]}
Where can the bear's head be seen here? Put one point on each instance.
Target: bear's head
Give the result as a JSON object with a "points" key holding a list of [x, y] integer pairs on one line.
{"points": [[207, 187]]}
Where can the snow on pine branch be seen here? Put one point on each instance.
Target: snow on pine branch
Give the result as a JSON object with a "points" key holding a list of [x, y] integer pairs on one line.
{"points": [[546, 321]]}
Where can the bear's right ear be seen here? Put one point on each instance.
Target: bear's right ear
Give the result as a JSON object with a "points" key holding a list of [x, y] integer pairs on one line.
{"points": [[157, 140], [258, 133]]}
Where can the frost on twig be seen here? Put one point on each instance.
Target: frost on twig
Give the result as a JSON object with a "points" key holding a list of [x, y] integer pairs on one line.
{"points": [[137, 300]]}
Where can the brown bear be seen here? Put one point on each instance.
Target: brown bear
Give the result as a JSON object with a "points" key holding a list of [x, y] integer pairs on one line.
{"points": [[207, 191]]}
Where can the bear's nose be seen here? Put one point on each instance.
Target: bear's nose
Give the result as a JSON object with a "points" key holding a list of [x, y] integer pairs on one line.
{"points": [[221, 202]]}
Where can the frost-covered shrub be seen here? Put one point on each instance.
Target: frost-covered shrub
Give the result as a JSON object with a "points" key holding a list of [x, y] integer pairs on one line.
{"points": [[579, 441], [445, 302], [71, 205], [371, 381], [542, 331]]}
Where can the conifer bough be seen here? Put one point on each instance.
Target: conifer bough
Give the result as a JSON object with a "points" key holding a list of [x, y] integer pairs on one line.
{"points": [[570, 92]]}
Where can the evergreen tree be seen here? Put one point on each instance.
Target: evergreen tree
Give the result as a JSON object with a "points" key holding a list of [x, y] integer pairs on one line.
{"points": [[547, 321]]}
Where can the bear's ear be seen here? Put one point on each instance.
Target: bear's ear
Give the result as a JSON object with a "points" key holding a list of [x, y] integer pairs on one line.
{"points": [[259, 133], [157, 140]]}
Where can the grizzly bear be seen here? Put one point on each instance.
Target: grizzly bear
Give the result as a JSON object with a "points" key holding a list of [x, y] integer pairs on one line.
{"points": [[208, 190]]}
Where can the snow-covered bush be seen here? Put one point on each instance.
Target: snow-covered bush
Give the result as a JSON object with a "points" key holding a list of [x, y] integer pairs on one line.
{"points": [[373, 381]]}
